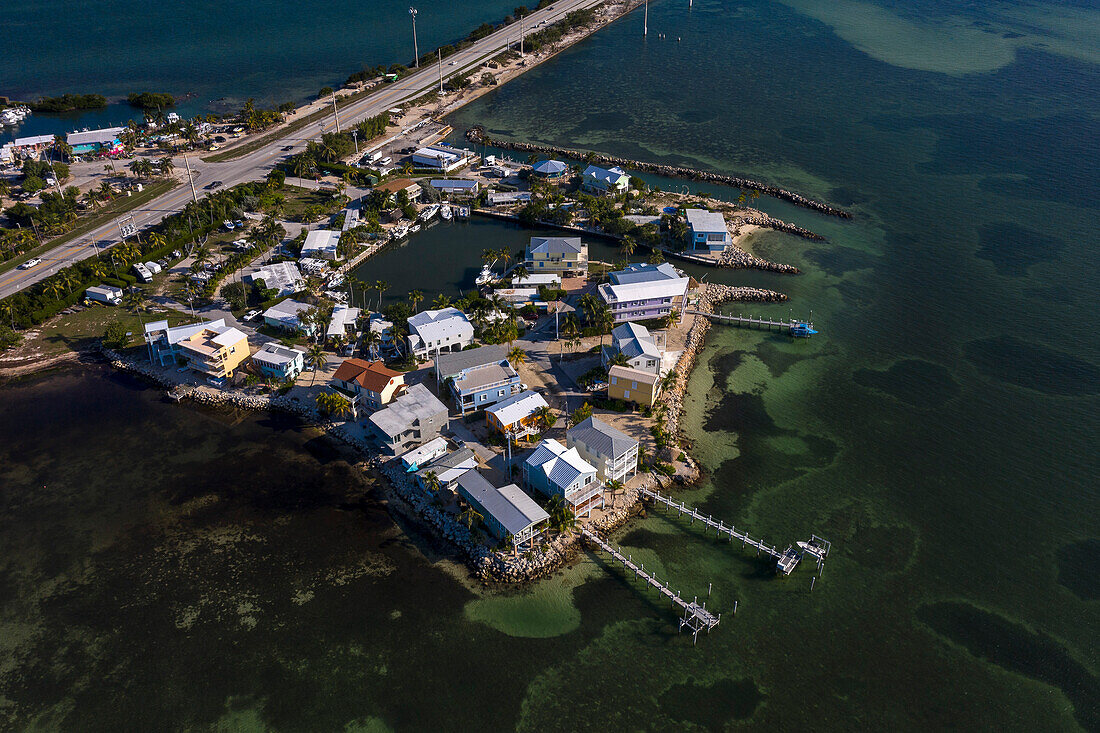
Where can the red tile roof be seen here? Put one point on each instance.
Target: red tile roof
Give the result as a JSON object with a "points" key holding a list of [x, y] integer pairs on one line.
{"points": [[370, 375]]}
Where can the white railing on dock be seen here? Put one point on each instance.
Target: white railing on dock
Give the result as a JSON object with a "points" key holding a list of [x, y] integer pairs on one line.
{"points": [[696, 616], [749, 320], [708, 521]]}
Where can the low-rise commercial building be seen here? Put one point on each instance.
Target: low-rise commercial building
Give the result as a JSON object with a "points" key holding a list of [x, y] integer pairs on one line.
{"points": [[550, 169], [95, 141], [440, 157], [456, 187]]}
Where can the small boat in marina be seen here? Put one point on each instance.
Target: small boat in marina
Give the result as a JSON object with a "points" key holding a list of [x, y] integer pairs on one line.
{"points": [[414, 229], [486, 275], [445, 212], [429, 212]]}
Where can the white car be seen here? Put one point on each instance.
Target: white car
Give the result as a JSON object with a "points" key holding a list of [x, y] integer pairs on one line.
{"points": [[30, 263]]}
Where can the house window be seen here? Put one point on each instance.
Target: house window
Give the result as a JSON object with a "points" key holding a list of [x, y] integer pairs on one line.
{"points": [[500, 393], [614, 380], [626, 395], [634, 385]]}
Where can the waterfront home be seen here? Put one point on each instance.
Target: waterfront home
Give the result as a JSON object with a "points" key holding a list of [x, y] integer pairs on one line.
{"points": [[516, 416], [456, 187], [163, 341], [351, 219], [506, 512], [32, 145], [632, 385], [95, 141], [447, 469], [605, 180], [501, 198], [104, 294], [424, 454], [312, 267], [384, 328], [562, 255], [278, 361], [611, 451], [550, 169], [342, 323], [287, 315], [642, 292], [434, 331], [369, 384], [556, 470], [322, 244], [707, 230], [397, 185], [545, 279], [282, 277], [215, 351], [637, 344], [516, 296], [440, 157], [412, 419], [478, 378]]}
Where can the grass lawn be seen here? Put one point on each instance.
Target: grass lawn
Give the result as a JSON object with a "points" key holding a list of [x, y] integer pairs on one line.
{"points": [[85, 224], [299, 199], [81, 330]]}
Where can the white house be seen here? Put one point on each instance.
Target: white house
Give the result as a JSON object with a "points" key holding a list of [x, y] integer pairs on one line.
{"points": [[611, 451], [605, 180], [322, 244], [637, 344], [287, 315], [446, 329], [343, 319]]}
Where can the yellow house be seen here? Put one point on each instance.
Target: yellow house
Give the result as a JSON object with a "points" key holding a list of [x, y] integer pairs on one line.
{"points": [[216, 351], [562, 255], [633, 385]]}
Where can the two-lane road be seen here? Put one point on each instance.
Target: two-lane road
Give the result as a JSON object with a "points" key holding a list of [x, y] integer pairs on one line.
{"points": [[256, 164]]}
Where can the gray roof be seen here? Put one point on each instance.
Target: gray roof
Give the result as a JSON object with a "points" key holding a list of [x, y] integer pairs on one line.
{"points": [[448, 461], [550, 166], [554, 245], [485, 374], [515, 510], [701, 220], [601, 438], [450, 364], [416, 404], [645, 273], [634, 340]]}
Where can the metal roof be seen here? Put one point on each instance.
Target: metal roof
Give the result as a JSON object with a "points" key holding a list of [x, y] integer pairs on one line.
{"points": [[449, 364], [415, 405], [549, 167], [634, 340], [555, 245], [701, 220], [515, 408], [513, 509], [601, 438]]}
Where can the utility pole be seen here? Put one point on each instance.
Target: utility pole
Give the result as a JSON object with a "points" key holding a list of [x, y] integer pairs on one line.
{"points": [[190, 178], [335, 112], [355, 139], [439, 55], [416, 51], [645, 25], [521, 35]]}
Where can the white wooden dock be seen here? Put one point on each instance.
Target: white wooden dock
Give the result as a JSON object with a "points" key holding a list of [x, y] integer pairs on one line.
{"points": [[696, 616], [750, 321]]}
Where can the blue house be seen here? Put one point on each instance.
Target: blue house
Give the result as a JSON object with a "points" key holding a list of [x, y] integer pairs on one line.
{"points": [[479, 378], [281, 362], [707, 230]]}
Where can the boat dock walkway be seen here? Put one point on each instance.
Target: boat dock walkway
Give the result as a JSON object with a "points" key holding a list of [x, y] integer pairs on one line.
{"points": [[696, 616], [785, 561], [750, 321]]}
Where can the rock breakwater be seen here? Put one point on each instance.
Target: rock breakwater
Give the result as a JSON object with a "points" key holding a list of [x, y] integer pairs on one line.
{"points": [[478, 136]]}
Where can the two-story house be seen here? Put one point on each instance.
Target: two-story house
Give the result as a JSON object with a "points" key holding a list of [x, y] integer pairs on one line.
{"points": [[215, 351], [164, 341], [278, 361], [611, 451], [516, 416], [506, 512], [637, 344], [641, 292], [564, 255], [707, 230], [434, 331], [556, 470], [632, 385], [478, 378], [368, 384], [412, 419], [287, 315], [599, 180]]}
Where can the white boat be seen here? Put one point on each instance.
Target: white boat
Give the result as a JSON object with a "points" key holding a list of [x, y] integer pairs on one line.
{"points": [[429, 212], [445, 212], [486, 275], [414, 229]]}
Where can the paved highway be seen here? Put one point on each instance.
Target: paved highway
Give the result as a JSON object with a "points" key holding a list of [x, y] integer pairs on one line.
{"points": [[256, 164]]}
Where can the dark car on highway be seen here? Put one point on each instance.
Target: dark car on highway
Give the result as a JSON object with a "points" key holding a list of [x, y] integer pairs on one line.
{"points": [[212, 184]]}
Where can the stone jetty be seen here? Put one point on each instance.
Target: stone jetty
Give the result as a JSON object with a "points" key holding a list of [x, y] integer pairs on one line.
{"points": [[477, 135]]}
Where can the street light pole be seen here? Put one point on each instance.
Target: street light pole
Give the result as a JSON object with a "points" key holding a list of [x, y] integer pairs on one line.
{"points": [[335, 112], [416, 51], [355, 138]]}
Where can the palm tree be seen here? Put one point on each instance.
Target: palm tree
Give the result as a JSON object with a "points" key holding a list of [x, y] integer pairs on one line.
{"points": [[519, 272], [134, 300], [546, 416], [55, 288], [431, 481], [381, 286], [516, 356], [562, 517], [415, 297], [165, 166], [407, 169], [334, 405], [316, 358], [615, 486], [441, 301], [470, 517], [628, 245], [9, 310], [505, 256], [157, 240], [106, 191], [99, 269]]}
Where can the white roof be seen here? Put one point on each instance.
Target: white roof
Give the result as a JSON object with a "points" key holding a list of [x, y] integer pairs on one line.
{"points": [[227, 336], [342, 317], [321, 240], [286, 311], [277, 355], [439, 325], [634, 340], [175, 334], [518, 407], [701, 220], [281, 276], [644, 282], [431, 449], [106, 135], [438, 151], [540, 278], [33, 140]]}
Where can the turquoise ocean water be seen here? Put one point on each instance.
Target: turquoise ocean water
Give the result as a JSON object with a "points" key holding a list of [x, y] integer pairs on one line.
{"points": [[940, 431]]}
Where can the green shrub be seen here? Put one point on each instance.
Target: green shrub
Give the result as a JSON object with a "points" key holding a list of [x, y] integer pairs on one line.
{"points": [[115, 336]]}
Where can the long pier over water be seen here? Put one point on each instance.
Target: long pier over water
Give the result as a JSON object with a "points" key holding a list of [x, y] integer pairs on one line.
{"points": [[696, 616], [751, 322]]}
